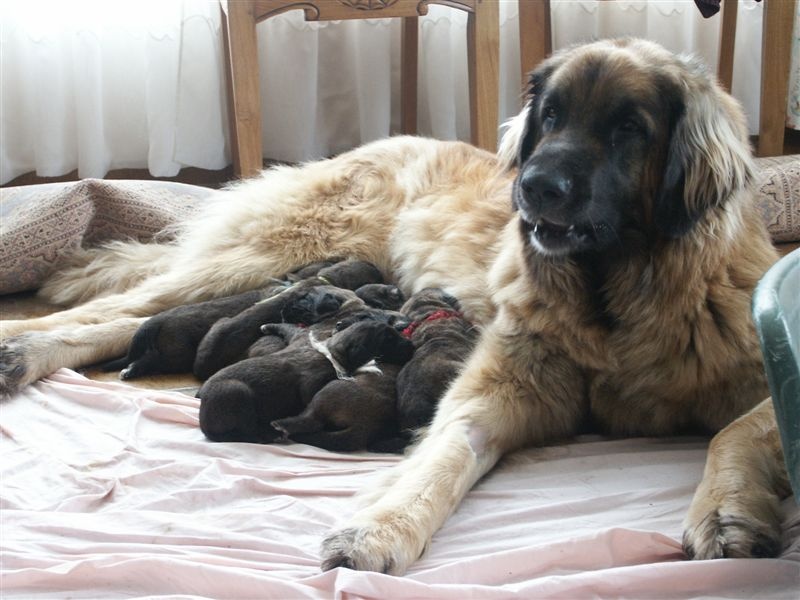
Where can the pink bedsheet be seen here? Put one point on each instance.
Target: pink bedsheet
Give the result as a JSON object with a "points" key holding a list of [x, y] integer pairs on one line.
{"points": [[111, 491]]}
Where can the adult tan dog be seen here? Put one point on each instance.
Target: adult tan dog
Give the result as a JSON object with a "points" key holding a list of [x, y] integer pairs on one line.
{"points": [[608, 253]]}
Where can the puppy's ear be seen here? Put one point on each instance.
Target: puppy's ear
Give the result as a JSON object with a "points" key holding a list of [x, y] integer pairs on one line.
{"points": [[521, 131], [708, 158], [452, 301]]}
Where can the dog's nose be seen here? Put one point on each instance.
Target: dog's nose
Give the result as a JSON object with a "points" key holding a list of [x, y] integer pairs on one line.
{"points": [[544, 186]]}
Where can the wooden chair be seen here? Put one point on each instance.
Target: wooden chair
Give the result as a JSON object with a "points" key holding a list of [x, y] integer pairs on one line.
{"points": [[776, 48], [239, 18]]}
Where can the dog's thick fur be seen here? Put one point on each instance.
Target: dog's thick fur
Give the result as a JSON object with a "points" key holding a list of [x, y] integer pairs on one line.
{"points": [[618, 241]]}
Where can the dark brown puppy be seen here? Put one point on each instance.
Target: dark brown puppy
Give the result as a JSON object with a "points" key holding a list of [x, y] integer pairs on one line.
{"points": [[442, 340], [310, 270], [358, 414], [354, 413], [228, 340], [240, 402], [168, 341], [381, 295], [393, 318], [348, 415]]}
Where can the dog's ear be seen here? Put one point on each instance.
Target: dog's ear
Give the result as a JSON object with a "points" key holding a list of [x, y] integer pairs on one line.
{"points": [[708, 159], [521, 131]]}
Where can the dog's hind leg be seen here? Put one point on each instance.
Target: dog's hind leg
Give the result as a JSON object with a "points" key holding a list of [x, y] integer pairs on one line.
{"points": [[736, 508], [102, 328], [35, 354]]}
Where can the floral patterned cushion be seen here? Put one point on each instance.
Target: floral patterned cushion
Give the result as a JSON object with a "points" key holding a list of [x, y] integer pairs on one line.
{"points": [[40, 225], [779, 196]]}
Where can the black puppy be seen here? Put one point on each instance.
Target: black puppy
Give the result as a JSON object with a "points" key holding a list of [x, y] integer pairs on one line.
{"points": [[240, 402], [381, 295], [168, 341], [350, 414], [359, 414], [442, 340], [229, 339]]}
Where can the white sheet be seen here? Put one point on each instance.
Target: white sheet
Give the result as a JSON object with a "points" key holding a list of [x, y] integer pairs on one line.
{"points": [[111, 491]]}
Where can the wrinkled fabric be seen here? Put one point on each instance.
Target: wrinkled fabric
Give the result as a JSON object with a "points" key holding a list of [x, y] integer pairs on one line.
{"points": [[110, 491]]}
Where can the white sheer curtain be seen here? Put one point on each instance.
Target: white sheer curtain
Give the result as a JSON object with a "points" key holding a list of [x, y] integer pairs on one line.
{"points": [[104, 84]]}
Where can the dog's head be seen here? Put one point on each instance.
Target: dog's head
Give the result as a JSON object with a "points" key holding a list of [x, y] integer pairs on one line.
{"points": [[619, 136]]}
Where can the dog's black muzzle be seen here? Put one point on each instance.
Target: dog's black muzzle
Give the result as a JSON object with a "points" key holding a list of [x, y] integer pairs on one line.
{"points": [[552, 194]]}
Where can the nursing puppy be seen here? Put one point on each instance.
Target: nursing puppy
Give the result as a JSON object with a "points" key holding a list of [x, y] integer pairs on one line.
{"points": [[608, 254], [240, 402], [230, 338], [307, 301], [442, 341], [168, 341], [356, 413], [381, 295], [350, 414]]}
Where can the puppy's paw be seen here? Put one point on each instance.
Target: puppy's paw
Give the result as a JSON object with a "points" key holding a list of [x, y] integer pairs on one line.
{"points": [[725, 530], [372, 547]]}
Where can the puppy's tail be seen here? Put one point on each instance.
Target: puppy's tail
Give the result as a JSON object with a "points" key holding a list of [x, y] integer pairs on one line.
{"points": [[108, 269]]}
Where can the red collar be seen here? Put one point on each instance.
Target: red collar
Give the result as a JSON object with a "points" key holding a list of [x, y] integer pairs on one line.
{"points": [[434, 316]]}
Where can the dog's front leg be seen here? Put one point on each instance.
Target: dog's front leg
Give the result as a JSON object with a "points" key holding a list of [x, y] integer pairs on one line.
{"points": [[512, 392], [735, 510]]}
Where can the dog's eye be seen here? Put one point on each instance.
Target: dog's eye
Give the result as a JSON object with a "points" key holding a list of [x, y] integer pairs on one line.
{"points": [[629, 126], [550, 113]]}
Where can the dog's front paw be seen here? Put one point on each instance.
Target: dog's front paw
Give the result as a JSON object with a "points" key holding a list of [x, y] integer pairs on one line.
{"points": [[731, 530], [12, 366], [373, 547]]}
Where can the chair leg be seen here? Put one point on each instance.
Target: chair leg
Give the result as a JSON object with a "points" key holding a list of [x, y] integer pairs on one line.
{"points": [[244, 105], [483, 56], [776, 51], [409, 69], [535, 40], [727, 43]]}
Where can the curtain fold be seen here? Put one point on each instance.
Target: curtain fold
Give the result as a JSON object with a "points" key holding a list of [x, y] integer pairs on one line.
{"points": [[95, 85]]}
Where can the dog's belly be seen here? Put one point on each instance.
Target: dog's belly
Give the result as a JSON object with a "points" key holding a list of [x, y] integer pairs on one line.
{"points": [[450, 241]]}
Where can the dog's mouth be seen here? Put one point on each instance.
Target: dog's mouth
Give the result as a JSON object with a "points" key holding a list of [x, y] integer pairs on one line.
{"points": [[558, 239]]}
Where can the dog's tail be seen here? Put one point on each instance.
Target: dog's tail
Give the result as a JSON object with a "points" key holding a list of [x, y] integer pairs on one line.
{"points": [[108, 269]]}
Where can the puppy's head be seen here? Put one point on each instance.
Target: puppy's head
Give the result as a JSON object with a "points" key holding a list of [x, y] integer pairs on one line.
{"points": [[392, 318], [427, 301], [351, 274], [365, 340], [380, 295], [620, 136], [313, 305]]}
